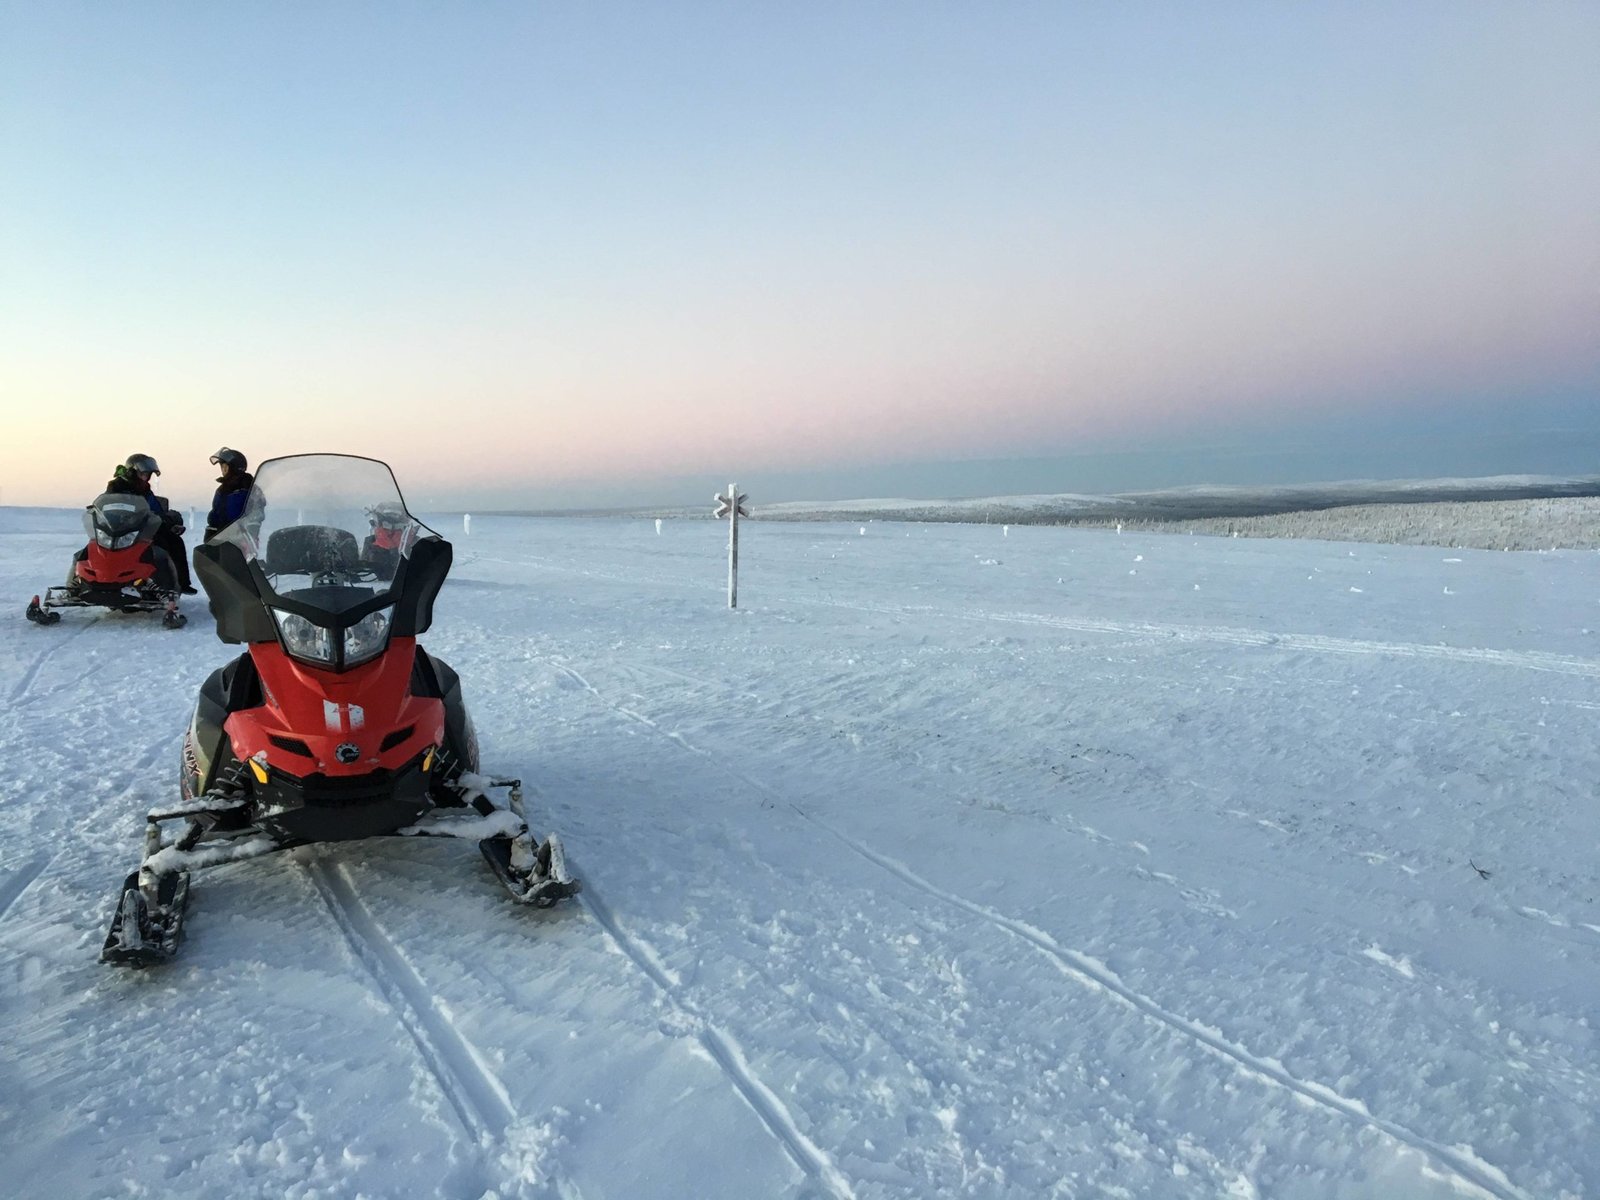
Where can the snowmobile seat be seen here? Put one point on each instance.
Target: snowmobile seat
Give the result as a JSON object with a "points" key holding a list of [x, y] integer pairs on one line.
{"points": [[311, 550]]}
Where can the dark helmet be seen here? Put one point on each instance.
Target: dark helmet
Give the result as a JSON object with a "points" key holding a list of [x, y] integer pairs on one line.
{"points": [[229, 458], [142, 463]]}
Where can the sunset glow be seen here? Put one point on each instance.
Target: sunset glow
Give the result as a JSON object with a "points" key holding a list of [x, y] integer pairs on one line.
{"points": [[534, 247]]}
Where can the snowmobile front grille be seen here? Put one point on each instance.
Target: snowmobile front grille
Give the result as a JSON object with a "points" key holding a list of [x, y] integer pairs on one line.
{"points": [[333, 808], [332, 791], [292, 745], [396, 738]]}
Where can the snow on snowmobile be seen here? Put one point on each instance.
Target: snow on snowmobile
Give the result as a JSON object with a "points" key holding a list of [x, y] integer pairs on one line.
{"points": [[334, 725], [121, 568]]}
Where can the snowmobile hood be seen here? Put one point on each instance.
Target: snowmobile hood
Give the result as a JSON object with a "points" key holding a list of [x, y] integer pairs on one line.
{"points": [[117, 520]]}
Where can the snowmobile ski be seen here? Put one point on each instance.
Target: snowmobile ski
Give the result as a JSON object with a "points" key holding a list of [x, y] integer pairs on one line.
{"points": [[41, 615], [533, 874], [148, 923]]}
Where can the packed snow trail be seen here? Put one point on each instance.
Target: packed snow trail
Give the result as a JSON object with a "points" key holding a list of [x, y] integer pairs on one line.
{"points": [[479, 1099], [728, 1057], [1473, 1175]]}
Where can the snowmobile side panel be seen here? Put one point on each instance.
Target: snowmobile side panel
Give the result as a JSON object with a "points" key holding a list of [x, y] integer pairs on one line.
{"points": [[207, 756], [432, 676]]}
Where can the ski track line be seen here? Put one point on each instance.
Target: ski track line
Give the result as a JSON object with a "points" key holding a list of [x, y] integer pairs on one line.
{"points": [[20, 692], [725, 1052], [1532, 660], [479, 1099], [1459, 1161], [20, 880], [115, 804]]}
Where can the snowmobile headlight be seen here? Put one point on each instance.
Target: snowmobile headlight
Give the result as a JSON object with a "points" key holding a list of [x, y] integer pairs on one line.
{"points": [[367, 637], [305, 639], [113, 542]]}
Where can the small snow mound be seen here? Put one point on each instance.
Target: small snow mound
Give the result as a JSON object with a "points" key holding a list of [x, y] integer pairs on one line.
{"points": [[1401, 965]]}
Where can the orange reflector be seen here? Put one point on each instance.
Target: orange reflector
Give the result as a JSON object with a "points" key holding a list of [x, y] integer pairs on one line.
{"points": [[258, 771]]}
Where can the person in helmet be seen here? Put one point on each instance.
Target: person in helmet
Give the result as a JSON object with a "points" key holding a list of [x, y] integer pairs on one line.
{"points": [[233, 487], [132, 478], [381, 551]]}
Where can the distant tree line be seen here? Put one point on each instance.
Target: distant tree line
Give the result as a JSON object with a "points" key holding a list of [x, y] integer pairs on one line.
{"points": [[1555, 524]]}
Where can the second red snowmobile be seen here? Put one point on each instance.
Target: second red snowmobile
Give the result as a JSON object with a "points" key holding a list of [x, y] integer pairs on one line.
{"points": [[334, 725], [120, 568]]}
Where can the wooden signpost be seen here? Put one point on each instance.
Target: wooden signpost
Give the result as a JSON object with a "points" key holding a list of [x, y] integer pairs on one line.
{"points": [[732, 507]]}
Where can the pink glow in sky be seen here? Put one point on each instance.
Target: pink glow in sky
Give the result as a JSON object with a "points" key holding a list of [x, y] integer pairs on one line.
{"points": [[523, 245]]}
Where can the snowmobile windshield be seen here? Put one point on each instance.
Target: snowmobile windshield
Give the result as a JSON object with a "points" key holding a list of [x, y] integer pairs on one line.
{"points": [[329, 537], [116, 521]]}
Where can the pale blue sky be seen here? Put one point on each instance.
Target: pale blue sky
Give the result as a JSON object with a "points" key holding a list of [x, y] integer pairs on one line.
{"points": [[581, 246]]}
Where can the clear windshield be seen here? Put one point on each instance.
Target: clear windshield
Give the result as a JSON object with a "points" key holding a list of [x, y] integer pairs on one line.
{"points": [[117, 521], [329, 530]]}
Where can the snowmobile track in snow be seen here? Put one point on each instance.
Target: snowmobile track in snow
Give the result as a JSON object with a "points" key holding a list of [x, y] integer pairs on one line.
{"points": [[14, 883], [1528, 660], [25, 684], [724, 1051], [1471, 1172], [479, 1099], [1459, 1162]]}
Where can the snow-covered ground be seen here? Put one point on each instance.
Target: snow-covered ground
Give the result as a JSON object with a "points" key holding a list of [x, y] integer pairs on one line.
{"points": [[957, 862]]}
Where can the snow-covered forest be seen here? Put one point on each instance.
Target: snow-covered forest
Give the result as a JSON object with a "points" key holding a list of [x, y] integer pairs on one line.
{"points": [[1500, 513], [1552, 524], [959, 860]]}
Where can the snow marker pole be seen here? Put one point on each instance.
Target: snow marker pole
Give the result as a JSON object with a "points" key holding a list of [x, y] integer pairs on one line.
{"points": [[732, 507]]}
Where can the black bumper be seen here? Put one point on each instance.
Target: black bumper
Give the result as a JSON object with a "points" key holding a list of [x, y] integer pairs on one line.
{"points": [[333, 808]]}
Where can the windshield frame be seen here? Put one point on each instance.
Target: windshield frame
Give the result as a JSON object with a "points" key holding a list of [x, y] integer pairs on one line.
{"points": [[115, 517], [247, 606], [246, 534]]}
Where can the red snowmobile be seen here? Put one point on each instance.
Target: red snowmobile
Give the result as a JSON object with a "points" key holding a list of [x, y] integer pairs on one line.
{"points": [[334, 725], [121, 568]]}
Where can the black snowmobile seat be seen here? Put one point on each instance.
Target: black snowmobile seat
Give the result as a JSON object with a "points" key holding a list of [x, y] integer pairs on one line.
{"points": [[312, 549]]}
